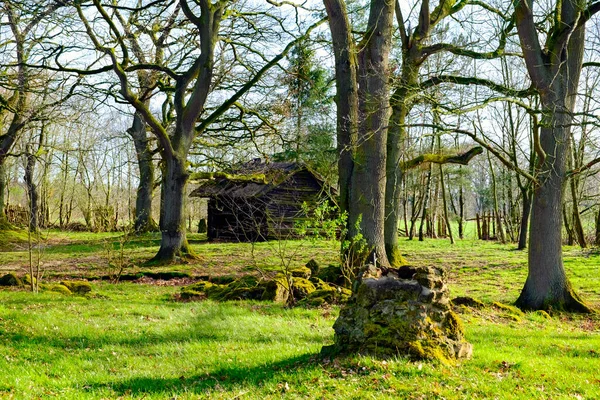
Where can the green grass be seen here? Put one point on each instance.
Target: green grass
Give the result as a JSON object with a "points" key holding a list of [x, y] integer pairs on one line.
{"points": [[133, 341]]}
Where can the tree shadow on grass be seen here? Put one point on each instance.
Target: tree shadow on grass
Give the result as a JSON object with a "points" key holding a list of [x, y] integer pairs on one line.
{"points": [[222, 379]]}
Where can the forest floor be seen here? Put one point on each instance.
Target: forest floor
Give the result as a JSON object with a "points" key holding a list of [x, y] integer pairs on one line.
{"points": [[132, 340]]}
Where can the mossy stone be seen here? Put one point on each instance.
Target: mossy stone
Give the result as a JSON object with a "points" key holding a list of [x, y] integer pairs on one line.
{"points": [[453, 325], [314, 301], [203, 289], [245, 288], [344, 295], [277, 289], [332, 274], [78, 287], [57, 288], [319, 283], [248, 281], [508, 309], [468, 301], [11, 279], [302, 272], [199, 286], [215, 292], [302, 288], [329, 294], [313, 266], [27, 279]]}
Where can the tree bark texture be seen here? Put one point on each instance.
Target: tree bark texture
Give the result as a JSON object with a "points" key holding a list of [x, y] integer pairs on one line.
{"points": [[32, 192], [524, 219], [143, 202], [3, 218], [173, 242], [554, 72], [367, 197], [547, 285], [401, 106], [346, 95]]}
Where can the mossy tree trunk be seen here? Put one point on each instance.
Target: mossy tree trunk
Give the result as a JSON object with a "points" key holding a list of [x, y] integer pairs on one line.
{"points": [[367, 197], [173, 242], [597, 242], [363, 107], [3, 219], [401, 105], [143, 201], [32, 190], [497, 216], [346, 98], [524, 224], [554, 70]]}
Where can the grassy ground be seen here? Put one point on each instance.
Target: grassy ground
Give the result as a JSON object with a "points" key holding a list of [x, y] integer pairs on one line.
{"points": [[132, 341]]}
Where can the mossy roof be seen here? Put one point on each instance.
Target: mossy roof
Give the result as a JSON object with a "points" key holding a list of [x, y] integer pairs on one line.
{"points": [[252, 179]]}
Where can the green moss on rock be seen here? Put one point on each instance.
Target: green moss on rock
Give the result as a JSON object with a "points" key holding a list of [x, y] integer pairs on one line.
{"points": [[409, 315], [78, 287], [11, 279], [453, 325], [332, 274], [57, 288], [302, 288], [508, 309], [313, 266], [468, 301], [27, 279], [245, 288], [302, 272], [202, 289], [319, 283], [277, 289], [327, 295]]}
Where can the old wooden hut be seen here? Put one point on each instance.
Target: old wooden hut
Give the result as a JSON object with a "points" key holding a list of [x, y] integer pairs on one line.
{"points": [[260, 201]]}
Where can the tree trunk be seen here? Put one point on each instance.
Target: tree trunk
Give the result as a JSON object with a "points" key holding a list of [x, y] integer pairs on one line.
{"points": [[577, 225], [346, 95], [143, 202], [598, 228], [445, 205], [461, 208], [524, 219], [367, 196], [393, 193], [568, 229], [554, 72], [547, 285], [32, 192], [498, 218], [401, 106], [172, 222], [3, 219]]}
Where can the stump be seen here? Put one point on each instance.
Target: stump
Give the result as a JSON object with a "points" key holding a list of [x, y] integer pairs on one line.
{"points": [[403, 311]]}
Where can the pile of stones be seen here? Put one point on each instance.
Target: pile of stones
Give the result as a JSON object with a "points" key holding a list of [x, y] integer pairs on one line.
{"points": [[404, 311], [309, 285], [65, 287]]}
